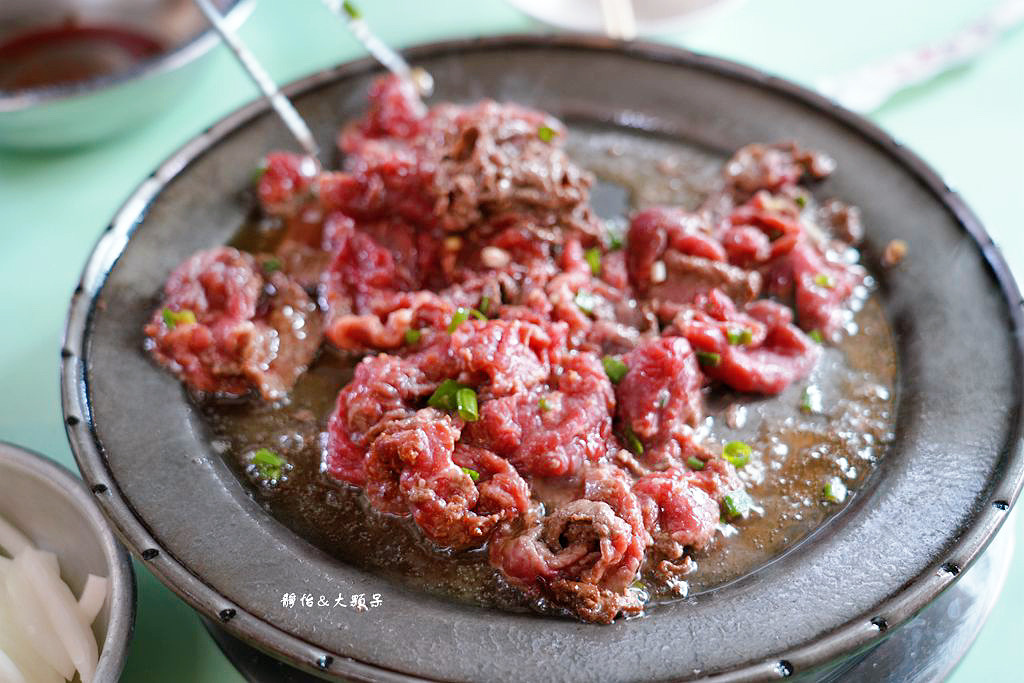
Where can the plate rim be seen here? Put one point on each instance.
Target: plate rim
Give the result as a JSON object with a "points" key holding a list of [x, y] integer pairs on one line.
{"points": [[849, 637]]}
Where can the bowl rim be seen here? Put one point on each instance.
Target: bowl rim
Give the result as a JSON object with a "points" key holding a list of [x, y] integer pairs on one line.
{"points": [[854, 635], [121, 624], [235, 13]]}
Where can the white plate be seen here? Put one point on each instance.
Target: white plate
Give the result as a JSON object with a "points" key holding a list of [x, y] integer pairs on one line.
{"points": [[653, 17]]}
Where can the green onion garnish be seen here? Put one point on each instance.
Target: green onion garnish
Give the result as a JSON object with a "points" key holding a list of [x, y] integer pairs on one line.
{"points": [[816, 336], [695, 463], [473, 474], [810, 401], [593, 256], [462, 315], [269, 465], [412, 335], [485, 305], [351, 10], [737, 503], [257, 173], [586, 301], [614, 368], [709, 359], [546, 133], [633, 442], [174, 318], [741, 336], [823, 280], [835, 490], [271, 265], [465, 401], [443, 397], [455, 397], [543, 405], [614, 241], [801, 201], [737, 452]]}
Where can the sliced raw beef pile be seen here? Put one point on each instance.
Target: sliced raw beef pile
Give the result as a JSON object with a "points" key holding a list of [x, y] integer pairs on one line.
{"points": [[530, 384]]}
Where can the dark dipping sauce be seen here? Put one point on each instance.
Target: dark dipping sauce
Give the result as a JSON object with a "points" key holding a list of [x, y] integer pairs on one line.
{"points": [[71, 52], [835, 424]]}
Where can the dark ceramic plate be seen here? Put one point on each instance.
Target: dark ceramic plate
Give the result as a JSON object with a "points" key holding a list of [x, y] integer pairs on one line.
{"points": [[925, 514]]}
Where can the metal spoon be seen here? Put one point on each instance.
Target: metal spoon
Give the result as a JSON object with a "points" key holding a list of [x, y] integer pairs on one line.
{"points": [[381, 51], [281, 104], [869, 87]]}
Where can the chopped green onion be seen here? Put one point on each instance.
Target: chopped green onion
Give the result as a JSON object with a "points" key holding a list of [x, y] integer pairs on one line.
{"points": [[695, 463], [816, 336], [810, 401], [586, 301], [663, 398], [460, 316], [614, 368], [473, 474], [257, 173], [823, 280], [351, 10], [633, 442], [801, 201], [835, 490], [543, 405], [638, 585], [546, 133], [737, 452], [593, 256], [737, 503], [615, 232], [271, 265], [174, 318], [455, 397], [741, 336], [269, 465], [412, 335], [485, 305], [465, 400], [709, 358], [443, 397]]}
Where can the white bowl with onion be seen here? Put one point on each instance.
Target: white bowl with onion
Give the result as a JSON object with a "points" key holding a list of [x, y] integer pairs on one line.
{"points": [[67, 591]]}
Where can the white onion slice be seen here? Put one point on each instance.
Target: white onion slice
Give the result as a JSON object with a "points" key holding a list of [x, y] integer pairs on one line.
{"points": [[4, 563], [61, 607], [9, 671], [34, 625], [93, 596], [12, 540], [52, 563], [16, 645]]}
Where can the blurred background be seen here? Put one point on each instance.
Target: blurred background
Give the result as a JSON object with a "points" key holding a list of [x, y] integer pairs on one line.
{"points": [[55, 200]]}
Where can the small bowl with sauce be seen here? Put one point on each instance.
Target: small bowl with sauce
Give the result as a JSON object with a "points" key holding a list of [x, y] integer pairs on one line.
{"points": [[75, 72]]}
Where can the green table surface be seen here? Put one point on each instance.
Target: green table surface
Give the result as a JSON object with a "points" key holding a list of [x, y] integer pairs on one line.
{"points": [[967, 123]]}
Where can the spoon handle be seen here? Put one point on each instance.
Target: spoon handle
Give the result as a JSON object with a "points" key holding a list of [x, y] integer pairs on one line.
{"points": [[281, 104], [870, 87], [381, 51]]}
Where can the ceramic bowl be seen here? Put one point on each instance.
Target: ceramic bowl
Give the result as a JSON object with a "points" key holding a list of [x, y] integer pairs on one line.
{"points": [[57, 512], [89, 110]]}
